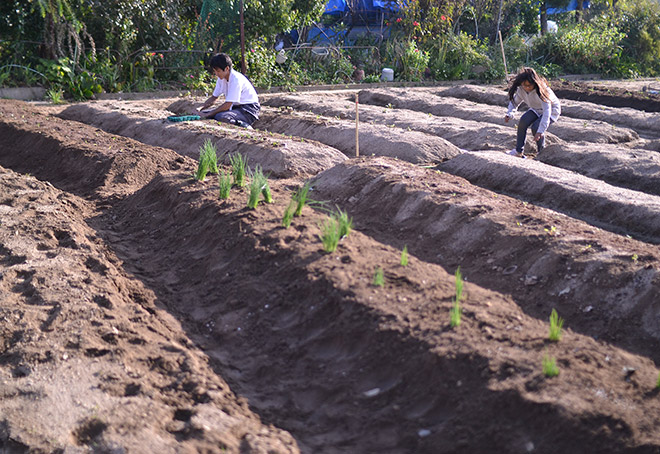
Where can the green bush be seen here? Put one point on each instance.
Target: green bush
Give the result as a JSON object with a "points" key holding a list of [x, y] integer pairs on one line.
{"points": [[413, 62], [457, 56], [640, 22], [593, 47]]}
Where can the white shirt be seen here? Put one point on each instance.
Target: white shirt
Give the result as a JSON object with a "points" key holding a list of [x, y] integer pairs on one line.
{"points": [[238, 90], [544, 109]]}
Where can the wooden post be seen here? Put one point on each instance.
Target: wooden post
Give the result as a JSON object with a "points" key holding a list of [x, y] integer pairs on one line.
{"points": [[242, 30], [506, 72], [357, 123]]}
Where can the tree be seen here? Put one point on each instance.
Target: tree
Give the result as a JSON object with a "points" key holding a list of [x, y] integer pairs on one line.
{"points": [[218, 26], [578, 10]]}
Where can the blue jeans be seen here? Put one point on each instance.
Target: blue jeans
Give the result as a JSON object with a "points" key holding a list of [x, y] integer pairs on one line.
{"points": [[241, 115], [529, 118]]}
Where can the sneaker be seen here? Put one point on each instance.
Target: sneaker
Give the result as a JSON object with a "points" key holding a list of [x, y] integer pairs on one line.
{"points": [[514, 152]]}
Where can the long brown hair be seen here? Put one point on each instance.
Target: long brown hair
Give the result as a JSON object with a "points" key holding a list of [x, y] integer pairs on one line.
{"points": [[528, 74]]}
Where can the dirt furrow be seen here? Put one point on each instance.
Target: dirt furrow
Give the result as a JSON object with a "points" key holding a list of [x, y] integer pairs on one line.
{"points": [[465, 134], [609, 207], [196, 323], [631, 168], [541, 257], [89, 360], [280, 156], [340, 363], [568, 129], [645, 123], [374, 140]]}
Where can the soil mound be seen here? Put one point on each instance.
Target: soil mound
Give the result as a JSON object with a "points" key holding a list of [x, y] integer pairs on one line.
{"points": [[277, 155], [609, 207], [645, 98], [568, 129], [465, 134], [644, 123], [139, 309], [539, 256], [89, 359], [374, 140], [635, 169]]}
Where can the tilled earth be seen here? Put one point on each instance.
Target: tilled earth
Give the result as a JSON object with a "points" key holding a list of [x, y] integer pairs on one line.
{"points": [[141, 313]]}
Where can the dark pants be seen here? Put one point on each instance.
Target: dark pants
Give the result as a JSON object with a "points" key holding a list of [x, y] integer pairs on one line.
{"points": [[529, 118], [241, 115]]}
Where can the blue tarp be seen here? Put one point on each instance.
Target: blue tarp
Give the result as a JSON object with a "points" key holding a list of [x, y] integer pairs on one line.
{"points": [[340, 6], [335, 7], [572, 6]]}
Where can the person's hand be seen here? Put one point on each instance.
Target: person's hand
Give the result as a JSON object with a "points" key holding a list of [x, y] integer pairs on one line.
{"points": [[506, 118], [538, 136]]}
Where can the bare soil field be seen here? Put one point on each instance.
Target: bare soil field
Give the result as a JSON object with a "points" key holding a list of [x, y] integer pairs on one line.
{"points": [[141, 313]]}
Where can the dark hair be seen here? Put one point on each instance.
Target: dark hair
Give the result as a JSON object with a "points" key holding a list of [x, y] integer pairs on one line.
{"points": [[220, 61], [531, 76]]}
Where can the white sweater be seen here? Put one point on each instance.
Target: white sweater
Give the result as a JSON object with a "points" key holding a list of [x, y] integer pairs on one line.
{"points": [[546, 110]]}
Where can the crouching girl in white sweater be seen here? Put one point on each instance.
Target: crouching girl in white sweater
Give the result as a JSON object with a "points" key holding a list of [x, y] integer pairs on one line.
{"points": [[544, 108]]}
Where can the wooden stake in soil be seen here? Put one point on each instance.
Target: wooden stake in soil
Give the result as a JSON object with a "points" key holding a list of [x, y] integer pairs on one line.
{"points": [[506, 72], [357, 122]]}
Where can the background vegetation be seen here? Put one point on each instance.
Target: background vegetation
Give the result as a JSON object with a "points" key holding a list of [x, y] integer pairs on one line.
{"points": [[83, 47]]}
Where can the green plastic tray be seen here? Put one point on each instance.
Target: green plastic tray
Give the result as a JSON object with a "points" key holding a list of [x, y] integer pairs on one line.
{"points": [[184, 118]]}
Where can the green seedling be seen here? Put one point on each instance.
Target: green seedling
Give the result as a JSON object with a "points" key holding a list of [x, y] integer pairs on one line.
{"points": [[211, 153], [224, 182], [635, 258], [288, 214], [301, 197], [55, 96], [455, 313], [657, 382], [265, 191], [238, 169], [550, 368], [379, 277], [208, 160], [257, 185], [345, 223], [459, 284], [556, 324], [337, 226], [404, 256], [330, 234]]}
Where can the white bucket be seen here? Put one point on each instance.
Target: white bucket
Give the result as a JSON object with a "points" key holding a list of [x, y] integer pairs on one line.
{"points": [[387, 75]]}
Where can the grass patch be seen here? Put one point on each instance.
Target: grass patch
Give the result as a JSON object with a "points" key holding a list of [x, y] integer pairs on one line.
{"points": [[238, 169], [456, 310], [404, 256], [55, 96], [379, 277], [224, 182], [556, 324], [208, 160], [550, 368]]}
